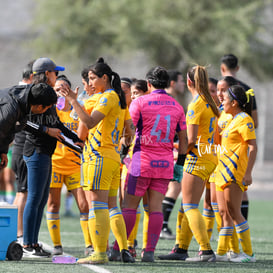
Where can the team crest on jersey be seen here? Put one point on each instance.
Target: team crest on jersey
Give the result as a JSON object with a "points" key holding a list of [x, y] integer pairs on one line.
{"points": [[103, 101], [250, 126]]}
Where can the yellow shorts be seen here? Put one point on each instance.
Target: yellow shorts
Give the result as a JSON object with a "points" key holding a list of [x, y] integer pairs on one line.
{"points": [[199, 166], [72, 181], [103, 174], [221, 185]]}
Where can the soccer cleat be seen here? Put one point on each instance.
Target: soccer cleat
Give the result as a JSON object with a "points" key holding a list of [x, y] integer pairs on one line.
{"points": [[126, 256], [203, 256], [132, 250], [57, 250], [114, 255], [176, 254], [147, 256], [166, 234], [95, 258], [221, 258], [88, 250], [244, 258]]}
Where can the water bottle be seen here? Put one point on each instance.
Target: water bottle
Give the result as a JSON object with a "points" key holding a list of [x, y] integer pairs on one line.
{"points": [[64, 259], [81, 98], [60, 103]]}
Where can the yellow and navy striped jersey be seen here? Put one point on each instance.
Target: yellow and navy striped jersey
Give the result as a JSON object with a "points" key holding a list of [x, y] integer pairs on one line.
{"points": [[89, 105], [105, 141], [234, 159], [65, 160]]}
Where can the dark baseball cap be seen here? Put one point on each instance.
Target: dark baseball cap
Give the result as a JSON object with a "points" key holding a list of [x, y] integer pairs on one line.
{"points": [[45, 64]]}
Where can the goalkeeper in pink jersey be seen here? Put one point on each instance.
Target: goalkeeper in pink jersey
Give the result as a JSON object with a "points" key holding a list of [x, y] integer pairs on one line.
{"points": [[157, 118]]}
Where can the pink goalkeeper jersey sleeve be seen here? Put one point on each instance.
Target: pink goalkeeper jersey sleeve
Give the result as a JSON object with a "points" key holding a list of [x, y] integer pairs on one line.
{"points": [[157, 118]]}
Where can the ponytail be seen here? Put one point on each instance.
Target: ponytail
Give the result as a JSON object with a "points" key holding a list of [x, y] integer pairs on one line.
{"points": [[117, 87], [199, 76]]}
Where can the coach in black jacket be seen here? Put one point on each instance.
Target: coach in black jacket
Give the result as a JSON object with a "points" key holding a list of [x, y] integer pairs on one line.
{"points": [[15, 105]]}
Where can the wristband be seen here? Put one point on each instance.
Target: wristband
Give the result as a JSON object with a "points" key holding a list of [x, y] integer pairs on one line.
{"points": [[181, 159]]}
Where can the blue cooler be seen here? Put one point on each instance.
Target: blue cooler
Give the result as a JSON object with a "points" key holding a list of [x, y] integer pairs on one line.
{"points": [[8, 228]]}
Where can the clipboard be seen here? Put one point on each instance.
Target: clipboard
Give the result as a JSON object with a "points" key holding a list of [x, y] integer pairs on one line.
{"points": [[69, 143]]}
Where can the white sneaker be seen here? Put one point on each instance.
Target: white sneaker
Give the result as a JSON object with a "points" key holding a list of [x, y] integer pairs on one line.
{"points": [[244, 258], [221, 258], [231, 254]]}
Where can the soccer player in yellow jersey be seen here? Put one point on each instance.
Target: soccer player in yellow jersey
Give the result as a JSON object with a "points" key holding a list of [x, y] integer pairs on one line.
{"points": [[104, 163], [200, 162], [66, 169], [234, 171]]}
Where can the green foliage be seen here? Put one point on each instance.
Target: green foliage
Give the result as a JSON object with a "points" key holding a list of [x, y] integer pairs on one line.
{"points": [[169, 32]]}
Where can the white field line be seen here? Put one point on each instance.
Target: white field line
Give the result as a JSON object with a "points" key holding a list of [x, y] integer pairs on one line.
{"points": [[93, 268]]}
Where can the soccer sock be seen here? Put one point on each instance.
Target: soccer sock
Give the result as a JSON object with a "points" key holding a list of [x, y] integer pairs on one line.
{"points": [[179, 224], [129, 216], [69, 202], [208, 216], [244, 208], [53, 225], [243, 233], [118, 228], [186, 234], [99, 225], [167, 207], [197, 225], [133, 235], [85, 229], [217, 215], [224, 238], [145, 225], [154, 228], [234, 242]]}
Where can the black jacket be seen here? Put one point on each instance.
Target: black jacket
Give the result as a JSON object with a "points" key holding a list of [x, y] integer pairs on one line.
{"points": [[14, 108], [38, 139]]}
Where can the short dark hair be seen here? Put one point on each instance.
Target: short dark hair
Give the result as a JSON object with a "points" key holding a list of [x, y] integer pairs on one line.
{"points": [[84, 74], [42, 94], [158, 77], [64, 78], [27, 71], [213, 80], [230, 60], [230, 81], [173, 75], [140, 85]]}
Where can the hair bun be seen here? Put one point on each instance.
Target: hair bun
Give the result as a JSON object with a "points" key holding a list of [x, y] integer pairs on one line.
{"points": [[100, 60]]}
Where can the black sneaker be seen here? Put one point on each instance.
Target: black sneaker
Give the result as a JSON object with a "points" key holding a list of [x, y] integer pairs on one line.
{"points": [[166, 234], [28, 252], [126, 256], [147, 256], [114, 255], [176, 254], [40, 252], [203, 256]]}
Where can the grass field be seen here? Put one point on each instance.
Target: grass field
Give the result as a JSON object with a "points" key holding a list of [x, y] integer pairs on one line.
{"points": [[261, 226]]}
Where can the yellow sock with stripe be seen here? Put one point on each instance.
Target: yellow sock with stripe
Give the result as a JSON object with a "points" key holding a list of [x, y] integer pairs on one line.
{"points": [[243, 233], [197, 225], [217, 215], [234, 242], [185, 235], [85, 229], [224, 238], [179, 224], [99, 225], [145, 226], [118, 228], [133, 235], [53, 225], [209, 218]]}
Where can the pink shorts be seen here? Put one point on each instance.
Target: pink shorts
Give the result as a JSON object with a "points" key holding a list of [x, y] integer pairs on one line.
{"points": [[138, 185]]}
